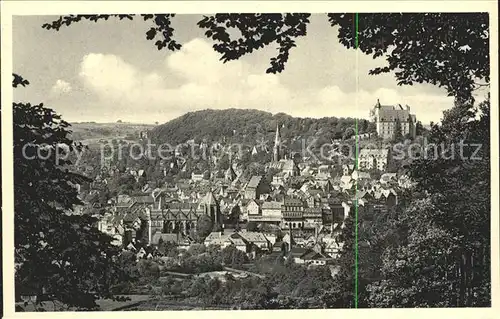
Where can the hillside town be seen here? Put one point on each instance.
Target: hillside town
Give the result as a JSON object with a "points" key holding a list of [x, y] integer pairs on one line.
{"points": [[299, 210]]}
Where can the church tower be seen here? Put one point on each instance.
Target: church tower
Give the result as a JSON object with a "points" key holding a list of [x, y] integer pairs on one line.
{"points": [[377, 116], [210, 207], [277, 144]]}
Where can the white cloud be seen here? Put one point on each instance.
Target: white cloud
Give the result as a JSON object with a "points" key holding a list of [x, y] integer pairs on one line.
{"points": [[109, 75], [205, 82], [61, 87]]}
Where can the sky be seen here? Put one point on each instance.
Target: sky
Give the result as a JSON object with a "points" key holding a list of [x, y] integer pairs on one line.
{"points": [[108, 71]]}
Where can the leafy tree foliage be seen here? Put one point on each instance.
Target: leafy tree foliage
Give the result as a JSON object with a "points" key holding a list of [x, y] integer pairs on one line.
{"points": [[231, 256], [204, 226], [196, 249], [442, 255], [200, 264], [450, 50], [242, 126], [419, 128], [398, 135], [51, 241]]}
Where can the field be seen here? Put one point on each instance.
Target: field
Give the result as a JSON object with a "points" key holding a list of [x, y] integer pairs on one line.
{"points": [[91, 132]]}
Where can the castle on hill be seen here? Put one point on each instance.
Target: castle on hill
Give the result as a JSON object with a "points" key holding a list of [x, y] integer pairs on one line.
{"points": [[387, 117]]}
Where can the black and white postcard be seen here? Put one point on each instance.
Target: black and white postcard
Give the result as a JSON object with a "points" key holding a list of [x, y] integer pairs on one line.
{"points": [[292, 156]]}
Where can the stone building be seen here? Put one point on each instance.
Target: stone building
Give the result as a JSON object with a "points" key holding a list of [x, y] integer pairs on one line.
{"points": [[373, 159], [387, 117], [256, 187]]}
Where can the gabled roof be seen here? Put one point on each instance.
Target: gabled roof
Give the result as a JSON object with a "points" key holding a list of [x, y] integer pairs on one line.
{"points": [[143, 199], [254, 181], [209, 199], [311, 255], [290, 201], [130, 217], [389, 113], [253, 237], [237, 241], [170, 215], [182, 215], [272, 205], [214, 235]]}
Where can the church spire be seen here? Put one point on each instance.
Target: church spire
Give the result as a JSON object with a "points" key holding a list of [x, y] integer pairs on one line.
{"points": [[277, 143]]}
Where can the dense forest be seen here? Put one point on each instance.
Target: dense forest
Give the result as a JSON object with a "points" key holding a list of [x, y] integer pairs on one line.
{"points": [[243, 125]]}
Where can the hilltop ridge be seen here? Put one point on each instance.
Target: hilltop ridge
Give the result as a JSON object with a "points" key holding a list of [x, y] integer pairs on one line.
{"points": [[239, 125]]}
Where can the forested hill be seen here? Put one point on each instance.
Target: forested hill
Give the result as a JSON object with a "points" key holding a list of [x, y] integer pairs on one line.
{"points": [[239, 125]]}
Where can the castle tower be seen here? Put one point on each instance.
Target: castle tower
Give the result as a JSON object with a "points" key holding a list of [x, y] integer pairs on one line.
{"points": [[277, 144]]}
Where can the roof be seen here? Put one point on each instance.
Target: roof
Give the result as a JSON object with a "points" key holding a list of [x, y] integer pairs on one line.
{"points": [[360, 175], [382, 152], [313, 211], [290, 201], [124, 199], [256, 201], [209, 199], [254, 181], [311, 255], [289, 165], [297, 251], [182, 206], [216, 235], [132, 216], [253, 237], [388, 176], [345, 179], [389, 113], [272, 205], [360, 194], [143, 199], [237, 241]]}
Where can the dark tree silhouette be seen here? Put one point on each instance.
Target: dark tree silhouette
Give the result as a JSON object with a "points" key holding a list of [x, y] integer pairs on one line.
{"points": [[204, 226], [398, 135], [50, 241]]}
